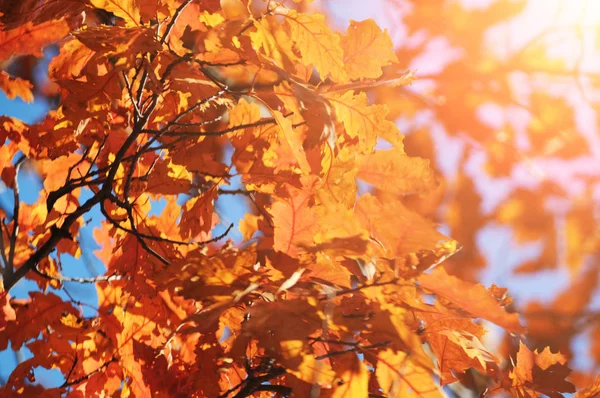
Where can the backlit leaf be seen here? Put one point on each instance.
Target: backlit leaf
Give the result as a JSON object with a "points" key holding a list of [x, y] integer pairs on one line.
{"points": [[366, 50], [317, 44]]}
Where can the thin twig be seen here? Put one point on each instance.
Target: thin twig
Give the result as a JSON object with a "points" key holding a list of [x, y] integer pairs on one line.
{"points": [[81, 379], [358, 288], [215, 133], [2, 246], [10, 266], [100, 278]]}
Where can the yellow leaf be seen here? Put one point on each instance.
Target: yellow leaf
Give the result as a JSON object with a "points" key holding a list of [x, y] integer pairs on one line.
{"points": [[317, 44], [293, 139], [364, 121], [312, 370], [394, 172], [366, 50], [399, 377], [210, 19], [354, 379], [244, 112], [249, 225], [273, 41], [234, 9]]}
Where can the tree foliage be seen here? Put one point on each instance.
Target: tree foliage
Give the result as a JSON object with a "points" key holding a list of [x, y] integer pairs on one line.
{"points": [[342, 284]]}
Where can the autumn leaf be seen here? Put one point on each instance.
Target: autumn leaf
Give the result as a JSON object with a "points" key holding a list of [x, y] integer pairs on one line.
{"points": [[472, 298], [399, 376], [8, 313], [16, 87], [244, 113], [292, 139], [363, 121], [590, 391], [318, 45], [43, 309], [249, 225], [129, 10], [400, 231], [30, 38], [544, 372], [353, 379], [394, 172], [366, 50], [166, 121], [294, 221]]}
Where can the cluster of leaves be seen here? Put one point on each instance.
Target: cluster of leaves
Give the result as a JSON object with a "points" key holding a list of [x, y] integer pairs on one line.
{"points": [[327, 294], [515, 112]]}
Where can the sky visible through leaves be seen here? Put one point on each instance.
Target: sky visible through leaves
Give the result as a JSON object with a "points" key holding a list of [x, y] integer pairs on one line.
{"points": [[317, 198]]}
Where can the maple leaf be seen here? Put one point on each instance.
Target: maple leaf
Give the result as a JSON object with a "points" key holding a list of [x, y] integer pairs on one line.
{"points": [[8, 313], [293, 140], [474, 299], [30, 38], [318, 45], [400, 231], [399, 376], [458, 347], [353, 379], [366, 50], [394, 172], [159, 107], [42, 310], [540, 372], [294, 220], [16, 87], [363, 121]]}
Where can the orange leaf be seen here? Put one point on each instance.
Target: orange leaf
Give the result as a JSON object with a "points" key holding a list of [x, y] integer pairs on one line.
{"points": [[590, 391], [399, 376], [472, 298], [16, 87], [30, 38], [400, 231], [294, 220], [394, 172], [292, 139], [353, 379], [544, 372]]}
